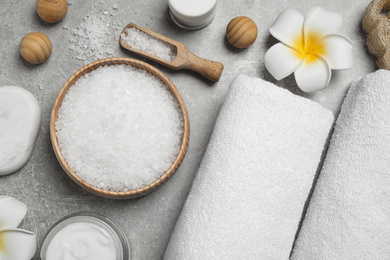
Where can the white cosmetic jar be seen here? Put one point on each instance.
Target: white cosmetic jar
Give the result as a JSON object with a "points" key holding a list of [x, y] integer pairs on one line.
{"points": [[192, 14], [113, 233]]}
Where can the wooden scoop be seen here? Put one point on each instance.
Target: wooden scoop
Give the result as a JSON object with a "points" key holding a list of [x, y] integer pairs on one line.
{"points": [[184, 59]]}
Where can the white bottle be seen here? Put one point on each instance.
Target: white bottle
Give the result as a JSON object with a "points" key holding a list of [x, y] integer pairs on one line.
{"points": [[192, 14]]}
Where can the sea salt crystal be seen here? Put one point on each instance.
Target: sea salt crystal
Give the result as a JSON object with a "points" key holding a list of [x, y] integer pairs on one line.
{"points": [[119, 128], [142, 41], [90, 39]]}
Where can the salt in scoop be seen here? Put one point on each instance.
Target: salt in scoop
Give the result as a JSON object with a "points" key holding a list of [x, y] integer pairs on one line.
{"points": [[184, 58]]}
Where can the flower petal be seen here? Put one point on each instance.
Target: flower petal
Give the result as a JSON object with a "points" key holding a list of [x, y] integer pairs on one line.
{"points": [[12, 212], [338, 51], [17, 244], [287, 28], [313, 75], [320, 22], [280, 60]]}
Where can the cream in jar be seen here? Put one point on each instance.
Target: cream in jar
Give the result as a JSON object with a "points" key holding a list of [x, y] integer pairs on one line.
{"points": [[81, 240], [85, 236], [192, 14]]}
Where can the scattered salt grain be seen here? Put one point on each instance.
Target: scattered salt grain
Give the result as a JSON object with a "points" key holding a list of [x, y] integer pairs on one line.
{"points": [[93, 38], [115, 6], [89, 39], [142, 41], [119, 128]]}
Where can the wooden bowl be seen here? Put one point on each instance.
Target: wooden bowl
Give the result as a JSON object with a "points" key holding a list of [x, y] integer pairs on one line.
{"points": [[184, 143]]}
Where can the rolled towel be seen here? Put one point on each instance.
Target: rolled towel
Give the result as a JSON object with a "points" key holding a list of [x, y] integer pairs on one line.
{"points": [[348, 216], [249, 192]]}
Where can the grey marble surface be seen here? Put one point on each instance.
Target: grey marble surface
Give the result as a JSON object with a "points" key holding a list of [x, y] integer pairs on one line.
{"points": [[148, 221]]}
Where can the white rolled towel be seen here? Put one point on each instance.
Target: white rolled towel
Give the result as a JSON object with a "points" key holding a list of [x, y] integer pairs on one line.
{"points": [[249, 192], [349, 213]]}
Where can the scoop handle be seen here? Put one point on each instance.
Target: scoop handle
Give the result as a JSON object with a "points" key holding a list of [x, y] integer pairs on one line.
{"points": [[209, 69]]}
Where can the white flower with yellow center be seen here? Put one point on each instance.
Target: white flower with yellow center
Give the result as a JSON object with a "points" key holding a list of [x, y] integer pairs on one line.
{"points": [[15, 243], [309, 47]]}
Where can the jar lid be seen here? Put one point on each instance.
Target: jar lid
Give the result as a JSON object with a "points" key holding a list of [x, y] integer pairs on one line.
{"points": [[193, 12]]}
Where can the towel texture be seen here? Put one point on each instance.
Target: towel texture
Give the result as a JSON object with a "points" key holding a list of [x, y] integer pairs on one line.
{"points": [[349, 213], [249, 192]]}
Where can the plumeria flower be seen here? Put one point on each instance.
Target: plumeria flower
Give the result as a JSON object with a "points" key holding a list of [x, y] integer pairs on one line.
{"points": [[15, 243], [309, 47]]}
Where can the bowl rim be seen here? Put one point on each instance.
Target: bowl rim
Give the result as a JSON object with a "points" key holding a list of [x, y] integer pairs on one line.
{"points": [[183, 146]]}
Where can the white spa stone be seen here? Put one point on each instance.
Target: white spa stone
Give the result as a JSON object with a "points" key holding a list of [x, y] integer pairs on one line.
{"points": [[20, 118]]}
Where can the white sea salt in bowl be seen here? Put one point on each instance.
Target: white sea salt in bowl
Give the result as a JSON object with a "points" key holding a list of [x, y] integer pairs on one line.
{"points": [[119, 128]]}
